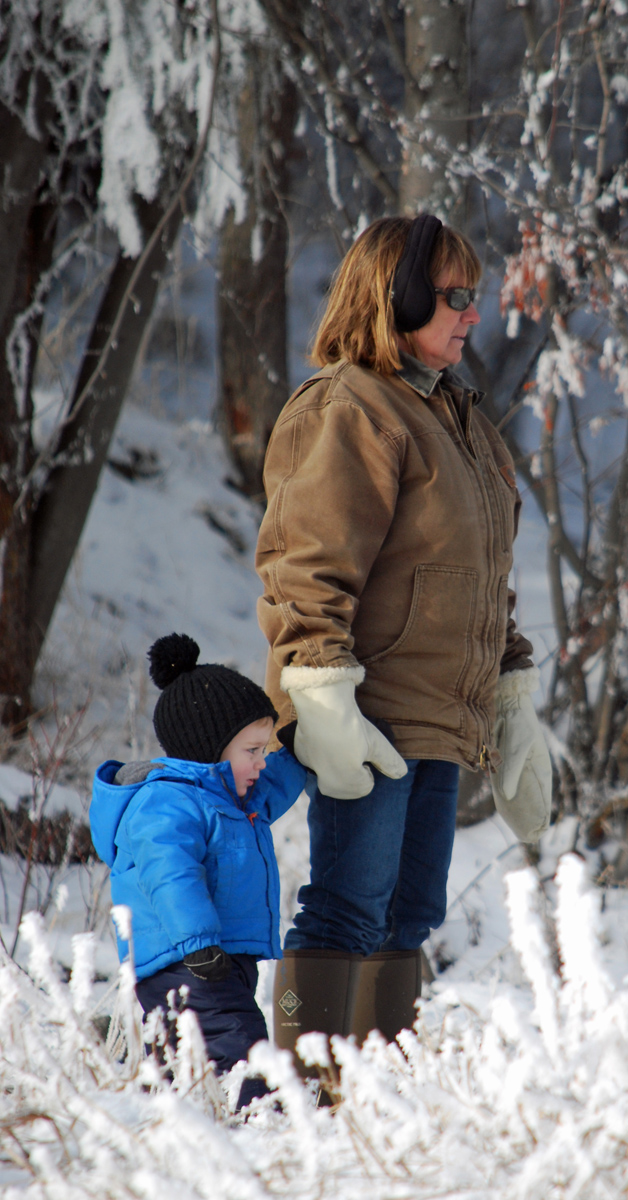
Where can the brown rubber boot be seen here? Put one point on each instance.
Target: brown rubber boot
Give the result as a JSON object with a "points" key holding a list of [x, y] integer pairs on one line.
{"points": [[314, 990], [390, 982]]}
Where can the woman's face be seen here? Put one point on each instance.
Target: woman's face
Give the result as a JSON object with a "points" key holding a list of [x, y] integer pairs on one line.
{"points": [[439, 344]]}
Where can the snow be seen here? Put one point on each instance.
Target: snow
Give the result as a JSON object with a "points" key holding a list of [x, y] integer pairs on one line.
{"points": [[513, 1082], [500, 1092], [17, 785], [151, 561]]}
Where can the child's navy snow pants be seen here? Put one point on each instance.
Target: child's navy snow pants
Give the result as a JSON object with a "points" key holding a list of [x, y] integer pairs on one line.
{"points": [[227, 1013]]}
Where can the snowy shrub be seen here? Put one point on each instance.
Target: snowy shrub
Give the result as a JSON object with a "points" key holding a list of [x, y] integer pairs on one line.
{"points": [[126, 80], [519, 1094]]}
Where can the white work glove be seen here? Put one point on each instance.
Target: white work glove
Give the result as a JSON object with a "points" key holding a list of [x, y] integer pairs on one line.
{"points": [[332, 737], [522, 786]]}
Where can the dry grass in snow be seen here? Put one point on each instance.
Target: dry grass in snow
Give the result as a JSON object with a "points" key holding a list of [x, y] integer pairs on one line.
{"points": [[522, 1094]]}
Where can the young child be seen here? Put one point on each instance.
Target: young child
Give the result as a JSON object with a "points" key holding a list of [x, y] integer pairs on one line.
{"points": [[188, 841]]}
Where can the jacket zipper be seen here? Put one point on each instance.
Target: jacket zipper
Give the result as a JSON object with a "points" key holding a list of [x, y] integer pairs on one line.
{"points": [[239, 802], [499, 504], [484, 753], [465, 435], [274, 926]]}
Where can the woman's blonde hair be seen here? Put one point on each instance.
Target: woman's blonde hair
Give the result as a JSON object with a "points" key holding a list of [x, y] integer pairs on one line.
{"points": [[358, 323]]}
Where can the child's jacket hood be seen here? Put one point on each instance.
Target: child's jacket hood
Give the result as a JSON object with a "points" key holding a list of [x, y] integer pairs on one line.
{"points": [[117, 783]]}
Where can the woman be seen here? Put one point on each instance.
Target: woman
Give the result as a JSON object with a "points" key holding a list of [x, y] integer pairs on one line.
{"points": [[385, 553]]}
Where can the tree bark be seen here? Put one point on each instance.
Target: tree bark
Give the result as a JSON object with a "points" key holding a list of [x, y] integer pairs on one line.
{"points": [[437, 98], [23, 159], [41, 540], [252, 312], [63, 510], [25, 252], [33, 258]]}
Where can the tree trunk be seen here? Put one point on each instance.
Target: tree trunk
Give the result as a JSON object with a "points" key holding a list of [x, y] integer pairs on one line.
{"points": [[40, 544], [24, 253], [33, 258], [253, 259], [23, 160], [437, 99]]}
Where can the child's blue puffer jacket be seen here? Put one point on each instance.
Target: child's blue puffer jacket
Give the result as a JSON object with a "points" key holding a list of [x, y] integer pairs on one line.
{"points": [[194, 867]]}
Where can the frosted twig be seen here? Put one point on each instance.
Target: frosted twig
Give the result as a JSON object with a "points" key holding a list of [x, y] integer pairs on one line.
{"points": [[46, 458]]}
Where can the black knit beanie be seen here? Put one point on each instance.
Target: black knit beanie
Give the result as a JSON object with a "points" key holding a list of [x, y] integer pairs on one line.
{"points": [[200, 708], [413, 295]]}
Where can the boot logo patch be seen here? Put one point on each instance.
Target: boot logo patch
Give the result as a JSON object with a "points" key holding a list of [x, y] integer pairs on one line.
{"points": [[289, 1002]]}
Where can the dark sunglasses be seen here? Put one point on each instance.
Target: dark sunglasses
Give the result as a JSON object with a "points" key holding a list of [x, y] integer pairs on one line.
{"points": [[457, 298]]}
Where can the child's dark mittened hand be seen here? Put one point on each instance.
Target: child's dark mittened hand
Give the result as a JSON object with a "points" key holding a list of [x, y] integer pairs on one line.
{"points": [[211, 963], [285, 735]]}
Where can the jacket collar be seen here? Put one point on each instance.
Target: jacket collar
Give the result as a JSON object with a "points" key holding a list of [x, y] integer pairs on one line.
{"points": [[132, 775], [207, 775], [425, 379]]}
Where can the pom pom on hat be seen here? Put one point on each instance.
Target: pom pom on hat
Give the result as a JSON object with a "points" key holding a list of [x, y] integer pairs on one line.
{"points": [[170, 656]]}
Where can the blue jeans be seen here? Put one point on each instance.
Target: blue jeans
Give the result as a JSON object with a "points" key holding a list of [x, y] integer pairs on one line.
{"points": [[379, 865]]}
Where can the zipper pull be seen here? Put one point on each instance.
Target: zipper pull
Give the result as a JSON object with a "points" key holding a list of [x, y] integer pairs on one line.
{"points": [[490, 758]]}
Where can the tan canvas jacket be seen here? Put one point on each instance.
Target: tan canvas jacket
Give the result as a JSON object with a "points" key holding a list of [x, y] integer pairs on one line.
{"points": [[392, 508]]}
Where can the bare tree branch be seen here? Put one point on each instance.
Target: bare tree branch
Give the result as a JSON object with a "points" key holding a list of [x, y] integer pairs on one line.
{"points": [[288, 23]]}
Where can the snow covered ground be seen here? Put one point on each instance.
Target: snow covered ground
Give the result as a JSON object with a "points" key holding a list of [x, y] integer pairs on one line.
{"points": [[513, 1085]]}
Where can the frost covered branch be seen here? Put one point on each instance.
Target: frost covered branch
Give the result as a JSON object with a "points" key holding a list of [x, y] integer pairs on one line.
{"points": [[509, 1098], [45, 460]]}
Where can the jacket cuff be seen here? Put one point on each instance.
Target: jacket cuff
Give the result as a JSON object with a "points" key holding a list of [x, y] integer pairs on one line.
{"points": [[297, 679], [512, 684]]}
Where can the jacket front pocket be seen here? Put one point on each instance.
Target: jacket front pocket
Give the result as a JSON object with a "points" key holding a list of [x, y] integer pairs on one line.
{"points": [[236, 871], [425, 670]]}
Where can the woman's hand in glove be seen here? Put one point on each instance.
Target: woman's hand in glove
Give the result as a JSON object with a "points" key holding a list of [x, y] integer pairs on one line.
{"points": [[211, 963], [522, 785], [332, 737]]}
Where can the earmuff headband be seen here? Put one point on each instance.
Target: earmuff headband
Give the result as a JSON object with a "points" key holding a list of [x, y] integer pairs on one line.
{"points": [[413, 295]]}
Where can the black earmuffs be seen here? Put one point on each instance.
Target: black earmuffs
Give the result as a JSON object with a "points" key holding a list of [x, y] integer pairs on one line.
{"points": [[413, 295]]}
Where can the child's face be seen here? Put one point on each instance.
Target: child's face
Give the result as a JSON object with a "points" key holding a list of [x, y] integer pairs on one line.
{"points": [[246, 752]]}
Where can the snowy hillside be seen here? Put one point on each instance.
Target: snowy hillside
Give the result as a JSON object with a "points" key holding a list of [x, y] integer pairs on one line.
{"points": [[168, 550]]}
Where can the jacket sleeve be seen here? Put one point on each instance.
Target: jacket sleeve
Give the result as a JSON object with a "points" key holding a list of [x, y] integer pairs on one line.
{"points": [[332, 479], [283, 779], [168, 834], [518, 651]]}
